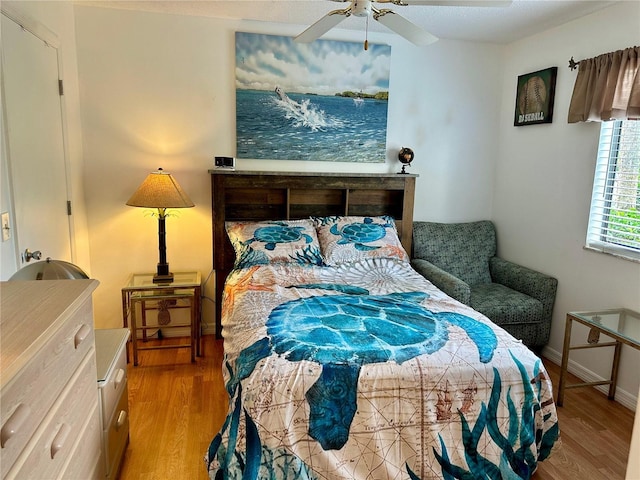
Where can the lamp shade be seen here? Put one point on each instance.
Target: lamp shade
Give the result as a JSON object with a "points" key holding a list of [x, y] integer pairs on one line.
{"points": [[160, 190]]}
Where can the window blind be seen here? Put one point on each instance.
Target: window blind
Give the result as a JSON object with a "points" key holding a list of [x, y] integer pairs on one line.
{"points": [[614, 220]]}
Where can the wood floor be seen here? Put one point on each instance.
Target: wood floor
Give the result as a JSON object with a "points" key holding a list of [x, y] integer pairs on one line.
{"points": [[176, 408]]}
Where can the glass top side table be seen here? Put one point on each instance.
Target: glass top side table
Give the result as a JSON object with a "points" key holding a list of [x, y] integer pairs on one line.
{"points": [[621, 324], [144, 281], [140, 289]]}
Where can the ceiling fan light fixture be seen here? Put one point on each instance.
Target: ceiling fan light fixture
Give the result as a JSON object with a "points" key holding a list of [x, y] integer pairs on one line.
{"points": [[361, 8]]}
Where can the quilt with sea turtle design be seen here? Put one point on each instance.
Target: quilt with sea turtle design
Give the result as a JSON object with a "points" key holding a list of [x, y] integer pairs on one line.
{"points": [[365, 370]]}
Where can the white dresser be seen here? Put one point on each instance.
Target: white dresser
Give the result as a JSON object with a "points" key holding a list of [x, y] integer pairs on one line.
{"points": [[111, 354], [49, 408]]}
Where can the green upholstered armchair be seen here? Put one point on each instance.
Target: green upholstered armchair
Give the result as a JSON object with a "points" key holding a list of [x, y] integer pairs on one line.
{"points": [[460, 259]]}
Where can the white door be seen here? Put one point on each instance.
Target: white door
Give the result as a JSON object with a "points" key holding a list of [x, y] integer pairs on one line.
{"points": [[35, 143]]}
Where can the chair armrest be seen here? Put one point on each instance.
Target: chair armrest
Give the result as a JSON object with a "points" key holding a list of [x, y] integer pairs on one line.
{"points": [[525, 280], [452, 286]]}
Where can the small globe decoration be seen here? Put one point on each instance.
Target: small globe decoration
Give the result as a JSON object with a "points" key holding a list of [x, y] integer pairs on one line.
{"points": [[406, 157]]}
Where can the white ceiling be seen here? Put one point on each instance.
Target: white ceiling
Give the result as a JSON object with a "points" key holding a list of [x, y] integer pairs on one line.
{"points": [[482, 24]]}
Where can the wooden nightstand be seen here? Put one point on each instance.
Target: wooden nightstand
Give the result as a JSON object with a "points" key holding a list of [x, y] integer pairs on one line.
{"points": [[111, 345]]}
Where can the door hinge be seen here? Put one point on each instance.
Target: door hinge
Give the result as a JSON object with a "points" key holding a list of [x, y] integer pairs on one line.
{"points": [[68, 207], [60, 88]]}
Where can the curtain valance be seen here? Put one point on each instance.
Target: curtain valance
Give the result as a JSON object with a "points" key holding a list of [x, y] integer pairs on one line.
{"points": [[607, 88]]}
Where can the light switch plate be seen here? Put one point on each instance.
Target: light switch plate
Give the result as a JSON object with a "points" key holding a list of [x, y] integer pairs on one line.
{"points": [[6, 227]]}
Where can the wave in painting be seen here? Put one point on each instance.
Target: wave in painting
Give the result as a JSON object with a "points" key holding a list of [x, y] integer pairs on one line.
{"points": [[296, 126], [304, 113]]}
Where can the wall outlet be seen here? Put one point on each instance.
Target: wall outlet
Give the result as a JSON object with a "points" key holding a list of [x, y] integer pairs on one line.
{"points": [[6, 226]]}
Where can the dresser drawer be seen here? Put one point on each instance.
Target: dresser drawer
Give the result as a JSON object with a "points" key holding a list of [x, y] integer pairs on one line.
{"points": [[86, 459], [117, 435], [52, 445], [28, 396], [112, 387]]}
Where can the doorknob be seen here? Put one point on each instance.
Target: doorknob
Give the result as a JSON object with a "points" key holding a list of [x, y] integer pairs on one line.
{"points": [[28, 255]]}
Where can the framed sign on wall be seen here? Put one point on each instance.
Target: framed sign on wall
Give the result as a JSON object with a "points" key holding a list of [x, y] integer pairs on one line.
{"points": [[534, 97]]}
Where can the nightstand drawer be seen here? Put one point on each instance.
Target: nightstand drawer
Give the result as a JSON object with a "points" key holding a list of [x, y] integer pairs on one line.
{"points": [[30, 394], [112, 387], [117, 435], [60, 430], [111, 353]]}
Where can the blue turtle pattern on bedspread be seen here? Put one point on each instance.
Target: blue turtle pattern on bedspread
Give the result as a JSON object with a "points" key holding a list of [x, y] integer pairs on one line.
{"points": [[332, 335], [360, 233]]}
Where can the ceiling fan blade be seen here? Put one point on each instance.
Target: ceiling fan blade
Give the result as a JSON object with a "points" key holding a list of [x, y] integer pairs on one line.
{"points": [[454, 3], [404, 28], [323, 25]]}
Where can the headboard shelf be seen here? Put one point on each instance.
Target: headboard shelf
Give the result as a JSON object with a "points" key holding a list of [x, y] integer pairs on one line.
{"points": [[258, 195]]}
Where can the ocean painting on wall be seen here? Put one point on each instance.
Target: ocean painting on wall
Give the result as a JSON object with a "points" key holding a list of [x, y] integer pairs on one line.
{"points": [[325, 100]]}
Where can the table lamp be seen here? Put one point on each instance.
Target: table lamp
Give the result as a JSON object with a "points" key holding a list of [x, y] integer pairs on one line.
{"points": [[160, 190]]}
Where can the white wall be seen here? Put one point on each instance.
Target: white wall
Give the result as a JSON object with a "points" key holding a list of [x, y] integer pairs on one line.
{"points": [[158, 90], [543, 182], [8, 248], [448, 112], [57, 17]]}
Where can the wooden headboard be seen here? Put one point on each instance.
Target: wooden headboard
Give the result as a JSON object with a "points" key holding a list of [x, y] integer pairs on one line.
{"points": [[255, 196]]}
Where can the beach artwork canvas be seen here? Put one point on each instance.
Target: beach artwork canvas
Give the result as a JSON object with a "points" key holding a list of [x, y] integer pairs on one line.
{"points": [[325, 100]]}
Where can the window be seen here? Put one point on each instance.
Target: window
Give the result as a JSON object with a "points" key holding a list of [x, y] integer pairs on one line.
{"points": [[614, 219]]}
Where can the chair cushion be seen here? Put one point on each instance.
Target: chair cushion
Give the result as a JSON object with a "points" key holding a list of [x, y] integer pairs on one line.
{"points": [[462, 249], [505, 306]]}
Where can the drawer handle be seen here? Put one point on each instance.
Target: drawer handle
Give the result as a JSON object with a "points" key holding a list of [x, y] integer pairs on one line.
{"points": [[12, 426], [119, 377], [122, 419], [60, 439], [81, 335]]}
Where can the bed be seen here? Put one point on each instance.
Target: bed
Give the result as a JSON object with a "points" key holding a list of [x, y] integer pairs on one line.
{"points": [[341, 361]]}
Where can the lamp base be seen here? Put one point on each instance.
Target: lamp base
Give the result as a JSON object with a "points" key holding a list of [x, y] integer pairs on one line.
{"points": [[163, 274], [168, 278]]}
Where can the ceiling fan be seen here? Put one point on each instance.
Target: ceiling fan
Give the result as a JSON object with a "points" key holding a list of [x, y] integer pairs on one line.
{"points": [[388, 18]]}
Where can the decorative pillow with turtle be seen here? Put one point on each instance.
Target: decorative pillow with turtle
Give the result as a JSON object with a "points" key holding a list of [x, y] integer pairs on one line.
{"points": [[282, 241], [351, 238]]}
